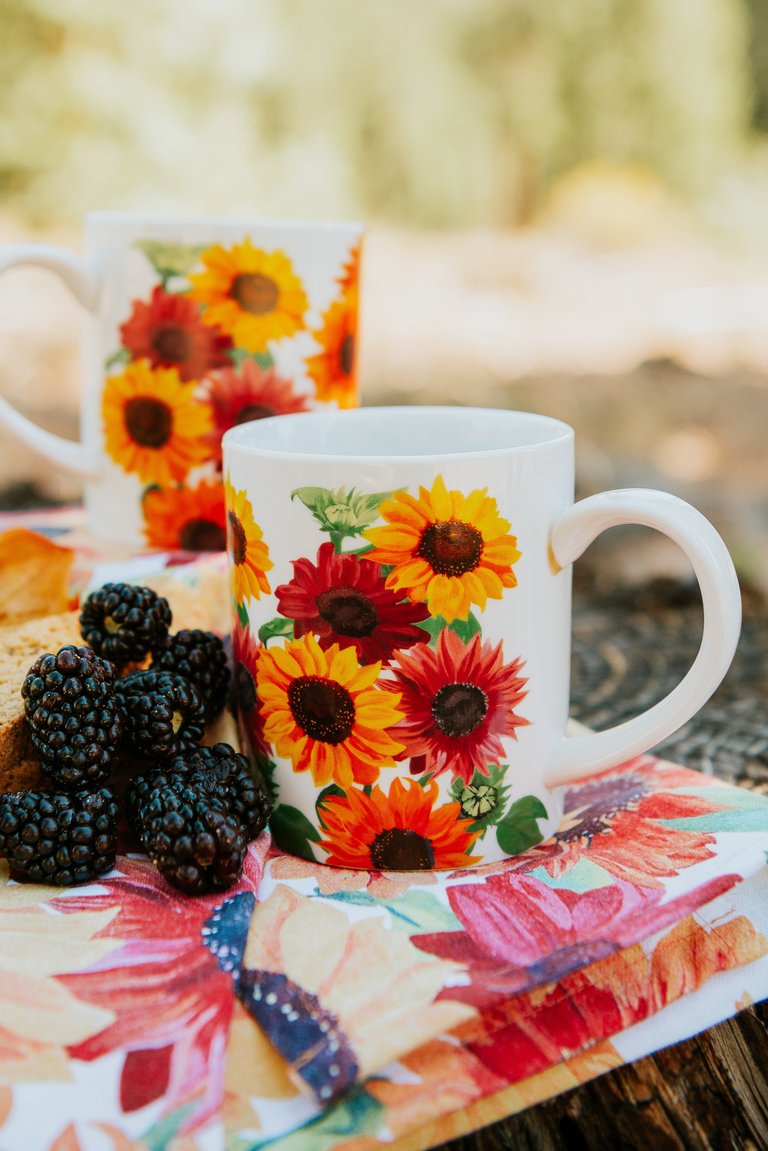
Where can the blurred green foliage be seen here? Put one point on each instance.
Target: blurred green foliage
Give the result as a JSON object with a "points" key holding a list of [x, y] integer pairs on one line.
{"points": [[436, 113]]}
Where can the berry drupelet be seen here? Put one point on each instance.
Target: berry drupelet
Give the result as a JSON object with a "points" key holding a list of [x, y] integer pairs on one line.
{"points": [[58, 837], [195, 842], [220, 770], [124, 623], [74, 721], [201, 658], [163, 714]]}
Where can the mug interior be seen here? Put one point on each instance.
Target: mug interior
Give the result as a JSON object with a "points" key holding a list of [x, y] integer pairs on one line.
{"points": [[407, 431]]}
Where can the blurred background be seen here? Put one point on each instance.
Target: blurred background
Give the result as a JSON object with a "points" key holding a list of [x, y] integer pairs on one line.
{"points": [[568, 206]]}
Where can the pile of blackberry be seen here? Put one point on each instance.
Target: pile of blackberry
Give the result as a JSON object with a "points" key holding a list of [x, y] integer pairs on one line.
{"points": [[194, 809]]}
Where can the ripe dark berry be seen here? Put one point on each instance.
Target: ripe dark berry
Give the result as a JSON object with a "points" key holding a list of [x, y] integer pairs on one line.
{"points": [[59, 838], [201, 658], [125, 623], [74, 721], [191, 837], [220, 770], [163, 713]]}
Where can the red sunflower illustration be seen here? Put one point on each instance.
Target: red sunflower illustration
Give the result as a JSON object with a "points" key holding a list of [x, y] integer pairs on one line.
{"points": [[344, 599], [459, 700], [252, 393], [169, 332], [619, 820], [400, 831], [245, 653], [190, 519]]}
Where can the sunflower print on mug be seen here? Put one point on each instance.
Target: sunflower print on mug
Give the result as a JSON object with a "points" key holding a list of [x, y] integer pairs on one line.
{"points": [[446, 548], [326, 713], [154, 425], [252, 295], [403, 830], [248, 554]]}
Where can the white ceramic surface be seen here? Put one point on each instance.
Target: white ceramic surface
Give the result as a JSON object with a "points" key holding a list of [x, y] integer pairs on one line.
{"points": [[115, 274], [525, 464]]}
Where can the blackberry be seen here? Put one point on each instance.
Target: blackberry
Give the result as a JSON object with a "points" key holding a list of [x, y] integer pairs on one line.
{"points": [[201, 658], [125, 623], [191, 837], [163, 713], [74, 721], [58, 837], [220, 770]]}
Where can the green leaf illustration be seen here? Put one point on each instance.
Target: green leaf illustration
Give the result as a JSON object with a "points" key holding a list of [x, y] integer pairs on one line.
{"points": [[358, 1114], [518, 830], [242, 614], [238, 356], [118, 359], [464, 628], [293, 831], [416, 912], [170, 260], [342, 513], [278, 628]]}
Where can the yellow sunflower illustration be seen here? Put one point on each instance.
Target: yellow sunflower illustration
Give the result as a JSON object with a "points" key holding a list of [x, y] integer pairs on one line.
{"points": [[324, 712], [333, 368], [252, 295], [248, 552], [153, 423], [445, 548]]}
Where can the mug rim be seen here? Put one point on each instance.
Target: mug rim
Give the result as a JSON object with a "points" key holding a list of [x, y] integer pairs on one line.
{"points": [[241, 439], [192, 219]]}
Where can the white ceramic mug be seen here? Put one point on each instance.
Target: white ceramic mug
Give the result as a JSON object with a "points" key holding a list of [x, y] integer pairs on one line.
{"points": [[401, 584], [194, 325]]}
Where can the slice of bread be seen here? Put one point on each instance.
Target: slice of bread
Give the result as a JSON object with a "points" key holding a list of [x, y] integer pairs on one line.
{"points": [[20, 646]]}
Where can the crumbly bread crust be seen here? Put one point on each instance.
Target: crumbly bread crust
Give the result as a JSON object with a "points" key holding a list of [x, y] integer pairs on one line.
{"points": [[20, 645]]}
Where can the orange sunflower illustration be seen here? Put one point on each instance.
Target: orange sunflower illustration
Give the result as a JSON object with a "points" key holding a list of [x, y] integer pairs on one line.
{"points": [[248, 552], [324, 712], [154, 425], [446, 548], [252, 295], [401, 831], [190, 519], [333, 368], [350, 273]]}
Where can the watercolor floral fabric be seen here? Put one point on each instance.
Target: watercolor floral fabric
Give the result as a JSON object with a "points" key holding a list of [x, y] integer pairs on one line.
{"points": [[226, 335], [316, 1008]]}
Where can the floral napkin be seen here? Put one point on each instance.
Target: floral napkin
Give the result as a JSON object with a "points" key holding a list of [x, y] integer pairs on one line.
{"points": [[313, 1008]]}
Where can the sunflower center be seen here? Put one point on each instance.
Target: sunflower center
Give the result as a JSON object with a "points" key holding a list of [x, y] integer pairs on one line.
{"points": [[245, 688], [254, 293], [347, 354], [149, 422], [451, 547], [348, 611], [172, 343], [458, 708], [238, 544], [254, 412], [592, 807], [398, 849], [200, 535], [322, 708]]}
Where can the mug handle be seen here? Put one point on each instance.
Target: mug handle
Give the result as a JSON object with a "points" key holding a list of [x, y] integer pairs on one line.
{"points": [[580, 756], [84, 282]]}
